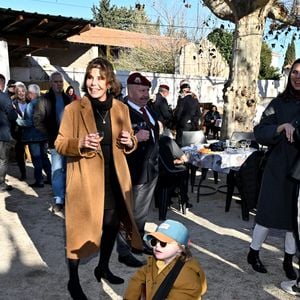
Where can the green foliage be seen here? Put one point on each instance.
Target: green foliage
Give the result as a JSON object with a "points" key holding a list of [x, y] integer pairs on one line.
{"points": [[223, 40], [267, 71], [121, 18], [290, 54]]}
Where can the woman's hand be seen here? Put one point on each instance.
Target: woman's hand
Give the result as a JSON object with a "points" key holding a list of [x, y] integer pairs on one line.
{"points": [[288, 129], [91, 141], [125, 139]]}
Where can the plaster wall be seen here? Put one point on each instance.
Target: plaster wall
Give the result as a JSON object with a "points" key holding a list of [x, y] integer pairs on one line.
{"points": [[208, 89]]}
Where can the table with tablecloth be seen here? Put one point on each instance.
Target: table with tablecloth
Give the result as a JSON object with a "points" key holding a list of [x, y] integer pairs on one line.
{"points": [[228, 162]]}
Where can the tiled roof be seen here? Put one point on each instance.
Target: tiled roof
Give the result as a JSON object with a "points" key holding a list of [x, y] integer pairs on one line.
{"points": [[120, 38]]}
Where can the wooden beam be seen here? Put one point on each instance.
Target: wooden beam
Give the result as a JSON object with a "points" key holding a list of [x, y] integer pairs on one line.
{"points": [[18, 19], [36, 42]]}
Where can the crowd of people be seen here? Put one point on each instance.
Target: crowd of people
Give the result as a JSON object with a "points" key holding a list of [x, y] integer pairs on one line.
{"points": [[107, 147]]}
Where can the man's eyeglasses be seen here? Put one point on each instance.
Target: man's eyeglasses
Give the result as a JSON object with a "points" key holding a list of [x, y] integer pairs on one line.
{"points": [[154, 242]]}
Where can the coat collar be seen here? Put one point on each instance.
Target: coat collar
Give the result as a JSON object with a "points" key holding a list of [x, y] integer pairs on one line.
{"points": [[86, 113]]}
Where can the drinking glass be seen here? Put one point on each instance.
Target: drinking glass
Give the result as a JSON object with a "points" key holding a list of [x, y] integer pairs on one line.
{"points": [[243, 145], [248, 144], [101, 133]]}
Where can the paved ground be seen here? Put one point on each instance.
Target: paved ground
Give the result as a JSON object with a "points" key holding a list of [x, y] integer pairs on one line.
{"points": [[32, 255]]}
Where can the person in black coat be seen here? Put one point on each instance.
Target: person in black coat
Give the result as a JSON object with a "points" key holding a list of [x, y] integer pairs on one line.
{"points": [[187, 112], [161, 107], [143, 162], [278, 191], [210, 122], [8, 115], [293, 287]]}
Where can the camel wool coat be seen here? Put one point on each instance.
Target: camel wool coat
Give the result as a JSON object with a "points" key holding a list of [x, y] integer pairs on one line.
{"points": [[190, 283], [85, 177]]}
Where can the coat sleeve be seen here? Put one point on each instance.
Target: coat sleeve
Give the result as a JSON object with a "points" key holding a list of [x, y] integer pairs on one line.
{"points": [[127, 126], [66, 144], [191, 283], [266, 131], [7, 107], [39, 116], [135, 285]]}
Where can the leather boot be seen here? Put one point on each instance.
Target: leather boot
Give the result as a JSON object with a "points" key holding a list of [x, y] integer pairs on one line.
{"points": [[76, 291], [254, 261], [108, 275], [288, 266]]}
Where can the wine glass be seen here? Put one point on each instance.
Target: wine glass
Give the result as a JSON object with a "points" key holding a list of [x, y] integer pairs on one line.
{"points": [[101, 133], [243, 145], [248, 144]]}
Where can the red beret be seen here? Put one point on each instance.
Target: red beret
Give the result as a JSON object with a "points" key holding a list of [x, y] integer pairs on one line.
{"points": [[138, 79], [164, 86]]}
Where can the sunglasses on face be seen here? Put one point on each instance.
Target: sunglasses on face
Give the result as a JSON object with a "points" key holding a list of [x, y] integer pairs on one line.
{"points": [[154, 242]]}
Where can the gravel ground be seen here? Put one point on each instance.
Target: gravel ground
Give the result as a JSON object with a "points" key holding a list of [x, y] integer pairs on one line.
{"points": [[32, 254]]}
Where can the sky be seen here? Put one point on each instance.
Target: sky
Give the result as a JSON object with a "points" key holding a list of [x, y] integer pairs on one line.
{"points": [[154, 8]]}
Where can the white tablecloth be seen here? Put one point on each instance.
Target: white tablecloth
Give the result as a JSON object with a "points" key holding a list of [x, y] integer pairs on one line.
{"points": [[221, 162]]}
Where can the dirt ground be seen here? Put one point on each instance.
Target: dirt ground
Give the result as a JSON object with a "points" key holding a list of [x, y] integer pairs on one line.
{"points": [[32, 253]]}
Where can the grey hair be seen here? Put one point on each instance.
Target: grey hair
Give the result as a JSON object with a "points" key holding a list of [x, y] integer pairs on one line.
{"points": [[20, 85], [34, 88], [56, 73]]}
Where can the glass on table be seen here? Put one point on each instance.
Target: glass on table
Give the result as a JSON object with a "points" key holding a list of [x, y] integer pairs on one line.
{"points": [[248, 144], [243, 145]]}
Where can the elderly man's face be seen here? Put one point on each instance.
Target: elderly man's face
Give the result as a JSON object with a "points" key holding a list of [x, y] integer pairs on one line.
{"points": [[138, 94], [57, 84], [165, 93]]}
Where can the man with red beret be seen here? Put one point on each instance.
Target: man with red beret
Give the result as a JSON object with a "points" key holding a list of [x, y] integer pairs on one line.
{"points": [[143, 162], [161, 107]]}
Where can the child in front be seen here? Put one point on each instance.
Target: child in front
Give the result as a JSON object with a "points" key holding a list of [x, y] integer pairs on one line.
{"points": [[171, 273]]}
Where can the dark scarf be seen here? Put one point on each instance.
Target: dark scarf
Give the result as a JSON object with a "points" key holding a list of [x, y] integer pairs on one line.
{"points": [[102, 106]]}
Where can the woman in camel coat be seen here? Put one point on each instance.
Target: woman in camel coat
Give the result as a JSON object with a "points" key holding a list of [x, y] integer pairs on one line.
{"points": [[95, 134]]}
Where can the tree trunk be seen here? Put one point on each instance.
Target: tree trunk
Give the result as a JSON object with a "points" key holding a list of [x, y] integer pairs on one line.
{"points": [[240, 91]]}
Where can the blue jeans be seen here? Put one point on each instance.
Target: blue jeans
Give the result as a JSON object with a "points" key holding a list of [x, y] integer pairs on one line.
{"points": [[40, 161], [59, 164]]}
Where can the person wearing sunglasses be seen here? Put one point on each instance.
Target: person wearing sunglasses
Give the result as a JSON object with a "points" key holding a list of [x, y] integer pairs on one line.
{"points": [[171, 272]]}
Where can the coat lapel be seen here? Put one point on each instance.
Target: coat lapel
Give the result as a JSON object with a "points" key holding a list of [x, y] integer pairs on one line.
{"points": [[86, 113]]}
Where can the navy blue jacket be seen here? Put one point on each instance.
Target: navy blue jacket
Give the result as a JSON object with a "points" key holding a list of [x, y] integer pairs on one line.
{"points": [[8, 116], [29, 132]]}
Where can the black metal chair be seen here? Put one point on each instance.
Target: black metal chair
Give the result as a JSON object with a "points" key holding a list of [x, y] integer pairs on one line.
{"points": [[168, 180]]}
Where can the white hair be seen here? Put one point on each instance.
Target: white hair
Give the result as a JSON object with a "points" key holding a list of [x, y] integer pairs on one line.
{"points": [[34, 88], [20, 85]]}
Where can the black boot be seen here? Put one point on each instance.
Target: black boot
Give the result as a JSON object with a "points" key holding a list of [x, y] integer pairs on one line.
{"points": [[76, 291], [288, 266], [108, 275], [111, 226], [254, 261], [74, 286]]}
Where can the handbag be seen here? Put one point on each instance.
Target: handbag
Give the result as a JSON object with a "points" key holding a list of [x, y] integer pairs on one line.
{"points": [[165, 287]]}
